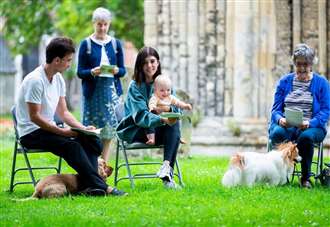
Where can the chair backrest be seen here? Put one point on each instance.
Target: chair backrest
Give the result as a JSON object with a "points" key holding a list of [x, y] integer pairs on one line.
{"points": [[13, 114], [119, 110]]}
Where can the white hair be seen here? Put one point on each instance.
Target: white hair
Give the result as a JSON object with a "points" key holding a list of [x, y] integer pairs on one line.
{"points": [[101, 14]]}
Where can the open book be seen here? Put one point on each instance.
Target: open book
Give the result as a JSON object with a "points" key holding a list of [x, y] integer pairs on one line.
{"points": [[294, 117], [107, 69], [95, 132]]}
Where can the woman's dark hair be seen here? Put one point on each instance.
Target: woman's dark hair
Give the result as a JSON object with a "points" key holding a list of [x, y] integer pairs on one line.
{"points": [[59, 47], [145, 52]]}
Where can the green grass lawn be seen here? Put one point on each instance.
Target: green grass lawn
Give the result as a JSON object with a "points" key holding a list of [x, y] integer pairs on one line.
{"points": [[202, 202]]}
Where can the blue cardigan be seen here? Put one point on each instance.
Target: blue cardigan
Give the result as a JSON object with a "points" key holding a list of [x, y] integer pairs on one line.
{"points": [[320, 90], [88, 61]]}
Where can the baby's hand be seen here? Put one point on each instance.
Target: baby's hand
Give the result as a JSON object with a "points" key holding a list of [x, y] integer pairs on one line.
{"points": [[188, 107]]}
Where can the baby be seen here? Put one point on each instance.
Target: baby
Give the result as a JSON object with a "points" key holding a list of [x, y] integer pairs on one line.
{"points": [[162, 97]]}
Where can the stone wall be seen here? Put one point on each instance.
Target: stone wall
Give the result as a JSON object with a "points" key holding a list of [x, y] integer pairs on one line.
{"points": [[228, 55]]}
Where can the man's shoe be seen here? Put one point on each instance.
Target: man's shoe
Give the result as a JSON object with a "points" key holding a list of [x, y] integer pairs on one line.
{"points": [[93, 192], [117, 192], [165, 172]]}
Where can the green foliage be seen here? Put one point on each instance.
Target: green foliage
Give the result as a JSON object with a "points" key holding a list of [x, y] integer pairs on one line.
{"points": [[234, 127], [27, 20], [202, 202]]}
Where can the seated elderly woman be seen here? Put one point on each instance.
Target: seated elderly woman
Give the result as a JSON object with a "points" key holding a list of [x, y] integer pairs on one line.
{"points": [[309, 92]]}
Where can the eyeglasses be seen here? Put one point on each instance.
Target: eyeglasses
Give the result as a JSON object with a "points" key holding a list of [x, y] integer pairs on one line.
{"points": [[302, 64]]}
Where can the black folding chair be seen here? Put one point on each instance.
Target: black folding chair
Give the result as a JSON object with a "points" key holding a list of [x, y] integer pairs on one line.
{"points": [[318, 163], [123, 147], [20, 149]]}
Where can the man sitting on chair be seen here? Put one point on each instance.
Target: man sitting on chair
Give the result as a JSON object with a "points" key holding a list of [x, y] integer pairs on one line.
{"points": [[41, 95]]}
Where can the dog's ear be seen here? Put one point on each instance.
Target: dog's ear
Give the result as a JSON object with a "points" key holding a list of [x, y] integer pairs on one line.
{"points": [[238, 161]]}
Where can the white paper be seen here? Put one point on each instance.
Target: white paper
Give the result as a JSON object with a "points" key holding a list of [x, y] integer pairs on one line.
{"points": [[293, 117]]}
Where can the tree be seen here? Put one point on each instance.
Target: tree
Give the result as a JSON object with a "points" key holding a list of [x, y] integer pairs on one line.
{"points": [[27, 20]]}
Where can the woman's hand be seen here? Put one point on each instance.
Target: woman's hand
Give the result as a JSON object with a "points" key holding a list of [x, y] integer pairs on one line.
{"points": [[283, 122], [161, 109], [115, 70], [169, 121], [96, 71], [304, 125]]}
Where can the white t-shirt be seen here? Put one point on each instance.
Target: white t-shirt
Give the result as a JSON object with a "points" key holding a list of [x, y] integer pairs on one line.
{"points": [[36, 88]]}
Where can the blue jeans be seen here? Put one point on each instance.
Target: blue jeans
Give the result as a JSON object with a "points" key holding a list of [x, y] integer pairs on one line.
{"points": [[305, 140]]}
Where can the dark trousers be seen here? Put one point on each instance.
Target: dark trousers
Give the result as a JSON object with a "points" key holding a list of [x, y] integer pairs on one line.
{"points": [[80, 153], [167, 135], [305, 140]]}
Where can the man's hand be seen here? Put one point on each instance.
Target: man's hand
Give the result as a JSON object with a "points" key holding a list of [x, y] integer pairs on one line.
{"points": [[90, 127], [67, 132], [283, 122]]}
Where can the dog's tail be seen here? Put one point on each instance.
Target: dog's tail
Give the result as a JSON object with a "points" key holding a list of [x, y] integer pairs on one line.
{"points": [[25, 199], [234, 174]]}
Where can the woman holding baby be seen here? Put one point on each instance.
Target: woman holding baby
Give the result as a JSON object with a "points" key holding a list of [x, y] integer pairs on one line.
{"points": [[138, 117], [309, 92]]}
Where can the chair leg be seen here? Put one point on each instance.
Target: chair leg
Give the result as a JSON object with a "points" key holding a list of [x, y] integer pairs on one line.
{"points": [[59, 165], [128, 167], [116, 164], [319, 163], [179, 172], [29, 167], [294, 172], [11, 186]]}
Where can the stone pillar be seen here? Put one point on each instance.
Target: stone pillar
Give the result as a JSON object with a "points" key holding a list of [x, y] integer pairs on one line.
{"points": [[150, 23], [201, 76], [296, 22], [322, 36], [243, 53], [192, 47], [230, 59]]}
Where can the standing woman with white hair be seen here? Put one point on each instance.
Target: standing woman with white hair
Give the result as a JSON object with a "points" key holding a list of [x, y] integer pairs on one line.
{"points": [[309, 92], [101, 90]]}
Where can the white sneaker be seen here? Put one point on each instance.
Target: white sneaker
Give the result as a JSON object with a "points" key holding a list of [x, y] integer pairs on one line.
{"points": [[165, 172], [171, 184]]}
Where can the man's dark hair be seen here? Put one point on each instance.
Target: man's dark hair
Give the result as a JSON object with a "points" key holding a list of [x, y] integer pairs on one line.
{"points": [[59, 47]]}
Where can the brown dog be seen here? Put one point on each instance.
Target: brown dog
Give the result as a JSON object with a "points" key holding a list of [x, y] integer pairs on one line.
{"points": [[58, 185]]}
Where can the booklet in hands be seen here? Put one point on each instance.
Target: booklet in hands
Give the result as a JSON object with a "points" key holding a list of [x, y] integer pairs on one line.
{"points": [[107, 69], [94, 132], [294, 117], [171, 115]]}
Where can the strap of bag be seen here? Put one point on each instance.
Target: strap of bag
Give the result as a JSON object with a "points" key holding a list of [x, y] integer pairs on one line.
{"points": [[89, 45]]}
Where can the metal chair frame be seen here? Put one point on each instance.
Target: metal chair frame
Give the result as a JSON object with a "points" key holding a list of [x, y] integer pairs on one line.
{"points": [[318, 162], [20, 149], [123, 147]]}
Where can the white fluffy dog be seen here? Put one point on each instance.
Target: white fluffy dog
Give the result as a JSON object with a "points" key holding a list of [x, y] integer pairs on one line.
{"points": [[274, 167]]}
